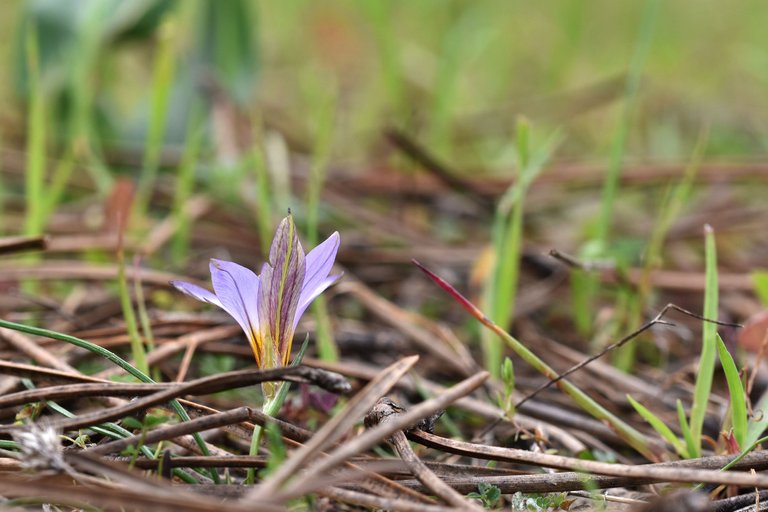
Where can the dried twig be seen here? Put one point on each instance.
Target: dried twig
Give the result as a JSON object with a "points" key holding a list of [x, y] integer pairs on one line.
{"points": [[335, 428], [384, 411], [375, 435], [205, 385]]}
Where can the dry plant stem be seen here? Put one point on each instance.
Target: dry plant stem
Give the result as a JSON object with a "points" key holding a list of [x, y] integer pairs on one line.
{"points": [[204, 385], [26, 346], [385, 411], [188, 427], [212, 384], [633, 437], [335, 428], [378, 502], [56, 490], [542, 411], [440, 170], [74, 269], [399, 319], [293, 436], [375, 435], [46, 374], [13, 244], [688, 471]]}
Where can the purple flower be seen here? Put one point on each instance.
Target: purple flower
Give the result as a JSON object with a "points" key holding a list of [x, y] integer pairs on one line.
{"points": [[268, 306]]}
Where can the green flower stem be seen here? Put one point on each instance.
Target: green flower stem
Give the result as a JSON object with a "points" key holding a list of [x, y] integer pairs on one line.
{"points": [[271, 407]]}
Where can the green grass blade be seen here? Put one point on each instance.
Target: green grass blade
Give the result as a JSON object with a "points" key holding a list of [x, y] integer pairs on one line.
{"points": [[737, 394], [686, 430], [585, 285], [635, 72], [185, 183], [759, 420], [162, 84], [35, 164], [704, 376], [660, 427], [137, 345], [501, 288], [760, 283]]}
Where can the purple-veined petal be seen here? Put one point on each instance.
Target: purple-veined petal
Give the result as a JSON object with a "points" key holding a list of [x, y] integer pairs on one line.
{"points": [[281, 285], [197, 292], [319, 263], [308, 295], [237, 288]]}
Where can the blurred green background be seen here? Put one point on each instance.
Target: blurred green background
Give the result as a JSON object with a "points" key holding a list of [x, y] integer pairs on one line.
{"points": [[453, 73]]}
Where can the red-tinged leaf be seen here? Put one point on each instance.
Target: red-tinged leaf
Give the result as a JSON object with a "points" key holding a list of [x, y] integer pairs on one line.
{"points": [[453, 292]]}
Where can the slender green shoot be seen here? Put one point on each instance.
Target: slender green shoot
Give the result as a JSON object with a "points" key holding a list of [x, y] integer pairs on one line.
{"points": [[659, 426], [263, 200], [507, 403], [673, 203], [501, 288], [686, 429], [35, 164], [705, 374], [379, 13], [83, 90], [758, 422], [736, 392], [760, 282], [634, 75], [271, 408], [162, 84], [138, 350], [585, 285], [61, 173], [324, 134], [185, 183]]}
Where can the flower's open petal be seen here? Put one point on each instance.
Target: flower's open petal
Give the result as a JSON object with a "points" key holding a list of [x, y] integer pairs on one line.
{"points": [[319, 263], [237, 288], [281, 285], [197, 292], [308, 295]]}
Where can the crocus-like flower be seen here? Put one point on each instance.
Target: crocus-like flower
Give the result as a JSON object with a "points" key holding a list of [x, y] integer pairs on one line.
{"points": [[268, 306]]}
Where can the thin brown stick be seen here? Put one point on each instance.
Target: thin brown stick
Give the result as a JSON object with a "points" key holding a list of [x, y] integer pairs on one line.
{"points": [[375, 435], [26, 346], [395, 316], [378, 502], [14, 244], [292, 436], [335, 428], [386, 410], [205, 385], [689, 471]]}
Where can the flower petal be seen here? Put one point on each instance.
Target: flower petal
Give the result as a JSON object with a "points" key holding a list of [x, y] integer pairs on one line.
{"points": [[196, 292], [307, 297], [237, 288], [282, 282], [319, 263]]}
